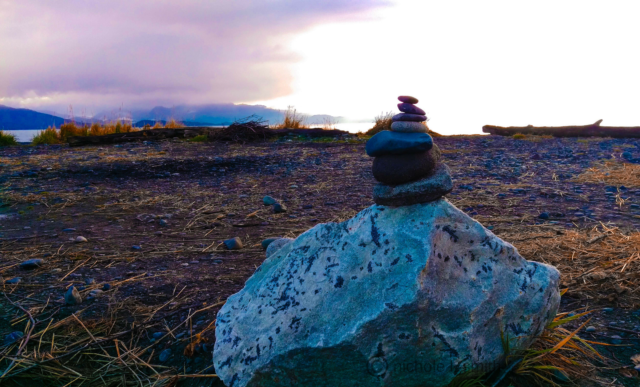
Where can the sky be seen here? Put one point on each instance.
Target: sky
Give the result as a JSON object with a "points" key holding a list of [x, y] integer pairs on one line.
{"points": [[470, 63]]}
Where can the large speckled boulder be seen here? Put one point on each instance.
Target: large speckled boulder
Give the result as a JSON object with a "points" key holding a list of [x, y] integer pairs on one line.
{"points": [[406, 296]]}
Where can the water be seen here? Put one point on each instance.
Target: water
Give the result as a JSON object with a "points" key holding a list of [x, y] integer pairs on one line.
{"points": [[355, 127], [25, 135]]}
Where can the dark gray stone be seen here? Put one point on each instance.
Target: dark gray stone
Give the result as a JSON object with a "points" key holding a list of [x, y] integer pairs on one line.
{"points": [[164, 355], [401, 169], [13, 337], [409, 117], [411, 109], [393, 143], [265, 243], [422, 191], [279, 208], [408, 99], [32, 264], [268, 201], [233, 243], [72, 296]]}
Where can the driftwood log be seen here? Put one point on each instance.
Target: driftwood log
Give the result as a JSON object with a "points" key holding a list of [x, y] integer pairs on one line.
{"points": [[593, 130], [160, 134]]}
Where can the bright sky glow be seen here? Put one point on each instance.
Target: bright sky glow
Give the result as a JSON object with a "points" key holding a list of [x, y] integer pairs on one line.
{"points": [[469, 62], [473, 63]]}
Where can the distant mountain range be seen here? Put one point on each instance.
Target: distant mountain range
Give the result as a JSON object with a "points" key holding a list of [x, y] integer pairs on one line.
{"points": [[189, 115], [11, 118]]}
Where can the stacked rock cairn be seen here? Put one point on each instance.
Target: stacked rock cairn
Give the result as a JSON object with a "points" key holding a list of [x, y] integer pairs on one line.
{"points": [[406, 161]]}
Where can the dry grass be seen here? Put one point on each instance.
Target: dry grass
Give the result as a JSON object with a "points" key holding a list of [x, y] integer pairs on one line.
{"points": [[612, 173], [602, 265], [382, 122], [292, 120], [53, 135], [82, 351], [172, 124]]}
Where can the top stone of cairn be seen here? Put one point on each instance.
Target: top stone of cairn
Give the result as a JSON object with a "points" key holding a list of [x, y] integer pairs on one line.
{"points": [[408, 99]]}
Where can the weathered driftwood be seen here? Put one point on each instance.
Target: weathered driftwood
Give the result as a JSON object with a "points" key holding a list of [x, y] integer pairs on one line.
{"points": [[593, 130]]}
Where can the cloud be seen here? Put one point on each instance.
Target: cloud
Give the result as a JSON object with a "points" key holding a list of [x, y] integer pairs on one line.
{"points": [[147, 52]]}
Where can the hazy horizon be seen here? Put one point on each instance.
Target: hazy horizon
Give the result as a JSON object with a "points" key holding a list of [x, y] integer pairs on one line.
{"points": [[469, 63]]}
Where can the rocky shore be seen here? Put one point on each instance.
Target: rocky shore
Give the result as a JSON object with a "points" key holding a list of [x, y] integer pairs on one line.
{"points": [[146, 222]]}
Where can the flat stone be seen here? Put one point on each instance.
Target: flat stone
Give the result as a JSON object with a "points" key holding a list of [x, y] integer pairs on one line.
{"points": [[422, 191], [408, 99], [233, 243], [347, 304], [265, 243], [409, 127], [411, 109], [409, 117], [279, 208], [392, 143], [268, 201], [13, 281], [72, 296], [32, 264], [401, 169]]}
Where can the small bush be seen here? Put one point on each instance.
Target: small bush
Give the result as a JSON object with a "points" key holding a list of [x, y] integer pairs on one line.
{"points": [[519, 136], [173, 124], [199, 138], [292, 120], [383, 121], [7, 139], [48, 136]]}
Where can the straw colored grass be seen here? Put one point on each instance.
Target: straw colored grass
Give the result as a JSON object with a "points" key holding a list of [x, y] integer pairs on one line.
{"points": [[53, 135], [292, 120], [612, 173], [382, 122], [600, 265]]}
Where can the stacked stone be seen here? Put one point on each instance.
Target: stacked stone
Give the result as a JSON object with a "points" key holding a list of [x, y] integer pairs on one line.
{"points": [[406, 161]]}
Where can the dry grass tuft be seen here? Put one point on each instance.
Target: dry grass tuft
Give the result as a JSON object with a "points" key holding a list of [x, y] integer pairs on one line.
{"points": [[382, 122], [172, 124], [292, 120], [7, 139], [602, 265], [612, 173]]}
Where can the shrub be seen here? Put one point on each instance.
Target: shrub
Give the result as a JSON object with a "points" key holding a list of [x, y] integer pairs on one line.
{"points": [[70, 129], [48, 136], [173, 124], [519, 136], [199, 138], [292, 120], [383, 121], [7, 139]]}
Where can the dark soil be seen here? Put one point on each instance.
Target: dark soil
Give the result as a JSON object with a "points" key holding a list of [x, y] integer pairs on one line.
{"points": [[155, 214]]}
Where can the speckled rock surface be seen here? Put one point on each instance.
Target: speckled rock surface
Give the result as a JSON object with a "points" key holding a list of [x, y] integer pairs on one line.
{"points": [[277, 245], [356, 303], [428, 189], [408, 127]]}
